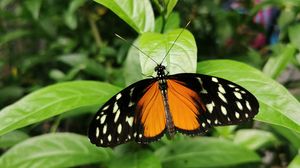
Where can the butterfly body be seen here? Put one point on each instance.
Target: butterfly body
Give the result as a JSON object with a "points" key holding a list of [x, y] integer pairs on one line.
{"points": [[187, 103]]}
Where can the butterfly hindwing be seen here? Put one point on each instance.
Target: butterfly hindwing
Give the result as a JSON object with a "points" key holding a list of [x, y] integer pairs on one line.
{"points": [[221, 102], [117, 121]]}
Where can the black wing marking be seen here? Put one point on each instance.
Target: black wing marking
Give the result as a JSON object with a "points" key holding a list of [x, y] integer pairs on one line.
{"points": [[115, 122], [225, 102]]}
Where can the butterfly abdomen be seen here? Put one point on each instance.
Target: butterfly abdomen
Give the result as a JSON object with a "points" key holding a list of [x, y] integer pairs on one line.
{"points": [[163, 86]]}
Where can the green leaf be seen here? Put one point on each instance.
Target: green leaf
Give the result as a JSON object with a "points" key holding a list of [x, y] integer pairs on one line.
{"points": [[140, 159], [54, 100], [172, 22], [181, 58], [286, 17], [132, 67], [10, 36], [170, 6], [70, 15], [34, 7], [204, 152], [54, 150], [255, 139], [12, 138], [295, 162], [294, 35], [136, 13], [292, 136], [277, 105], [276, 65]]}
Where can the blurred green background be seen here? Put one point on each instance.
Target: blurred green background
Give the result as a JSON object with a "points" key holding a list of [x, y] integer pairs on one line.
{"points": [[51, 42]]}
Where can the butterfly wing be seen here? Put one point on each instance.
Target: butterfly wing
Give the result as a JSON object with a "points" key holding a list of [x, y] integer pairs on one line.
{"points": [[218, 102], [135, 113]]}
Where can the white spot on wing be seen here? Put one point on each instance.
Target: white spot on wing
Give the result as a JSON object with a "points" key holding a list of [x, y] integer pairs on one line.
{"points": [[97, 132], [239, 105], [237, 115], [101, 141], [109, 138], [119, 95], [203, 124], [222, 97], [117, 116], [104, 129], [116, 107], [208, 121], [97, 118], [203, 91], [119, 128], [223, 109], [106, 107], [216, 121], [214, 79], [248, 105], [129, 121], [210, 107], [237, 95], [221, 89], [246, 115], [102, 119], [230, 85], [140, 135]]}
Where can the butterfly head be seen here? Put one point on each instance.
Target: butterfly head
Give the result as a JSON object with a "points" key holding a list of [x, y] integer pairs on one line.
{"points": [[160, 70]]}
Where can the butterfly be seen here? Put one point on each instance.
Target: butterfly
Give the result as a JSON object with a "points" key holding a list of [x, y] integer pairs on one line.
{"points": [[188, 103]]}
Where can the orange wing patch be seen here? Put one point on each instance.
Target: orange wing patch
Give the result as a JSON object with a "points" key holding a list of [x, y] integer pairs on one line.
{"points": [[151, 111], [184, 106]]}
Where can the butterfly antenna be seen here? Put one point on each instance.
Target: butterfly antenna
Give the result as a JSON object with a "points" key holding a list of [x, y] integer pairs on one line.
{"points": [[135, 47], [175, 42]]}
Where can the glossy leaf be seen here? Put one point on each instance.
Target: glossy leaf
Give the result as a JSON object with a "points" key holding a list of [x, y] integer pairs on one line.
{"points": [[182, 57], [204, 152], [12, 138], [54, 100], [277, 105], [276, 65], [54, 150], [136, 13], [140, 159], [255, 139], [132, 68], [170, 6]]}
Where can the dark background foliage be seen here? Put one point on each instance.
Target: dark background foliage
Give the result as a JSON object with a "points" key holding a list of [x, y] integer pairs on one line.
{"points": [[52, 42]]}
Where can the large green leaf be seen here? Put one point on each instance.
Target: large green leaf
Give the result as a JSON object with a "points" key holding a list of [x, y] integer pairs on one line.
{"points": [[181, 58], [255, 139], [140, 159], [137, 13], [277, 105], [54, 100], [54, 150], [12, 138], [204, 152]]}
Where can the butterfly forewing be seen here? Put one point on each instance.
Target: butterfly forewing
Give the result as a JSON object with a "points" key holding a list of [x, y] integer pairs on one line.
{"points": [[221, 102], [117, 121]]}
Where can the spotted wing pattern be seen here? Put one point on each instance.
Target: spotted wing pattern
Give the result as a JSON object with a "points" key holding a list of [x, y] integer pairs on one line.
{"points": [[221, 102], [119, 121]]}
